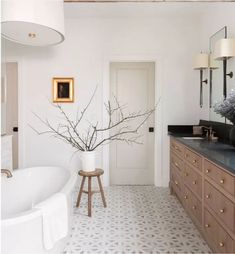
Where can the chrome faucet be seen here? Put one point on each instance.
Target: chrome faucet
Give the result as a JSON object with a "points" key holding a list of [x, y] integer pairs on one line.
{"points": [[7, 172]]}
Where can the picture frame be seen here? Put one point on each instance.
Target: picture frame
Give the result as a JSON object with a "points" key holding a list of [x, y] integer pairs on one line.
{"points": [[63, 89]]}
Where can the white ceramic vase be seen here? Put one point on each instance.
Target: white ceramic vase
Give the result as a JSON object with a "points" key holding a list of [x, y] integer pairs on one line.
{"points": [[88, 161]]}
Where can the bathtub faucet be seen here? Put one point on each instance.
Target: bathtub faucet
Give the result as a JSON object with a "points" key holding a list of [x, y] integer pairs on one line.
{"points": [[7, 172]]}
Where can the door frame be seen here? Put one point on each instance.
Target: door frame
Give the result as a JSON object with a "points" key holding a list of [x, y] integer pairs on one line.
{"points": [[21, 106], [158, 174]]}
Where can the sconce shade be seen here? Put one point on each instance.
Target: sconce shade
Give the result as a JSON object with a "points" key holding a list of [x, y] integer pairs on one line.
{"points": [[213, 64], [33, 22], [201, 61], [224, 49]]}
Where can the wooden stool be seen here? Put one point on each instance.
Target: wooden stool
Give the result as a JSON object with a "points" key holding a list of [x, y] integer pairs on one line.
{"points": [[97, 173]]}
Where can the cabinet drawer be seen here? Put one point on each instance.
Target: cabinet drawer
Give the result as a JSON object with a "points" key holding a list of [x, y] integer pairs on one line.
{"points": [[193, 159], [193, 180], [177, 147], [220, 177], [193, 205], [219, 239], [176, 183], [177, 163], [222, 206]]}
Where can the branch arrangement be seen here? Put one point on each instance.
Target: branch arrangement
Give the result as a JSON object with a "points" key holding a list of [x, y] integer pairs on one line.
{"points": [[118, 127], [226, 108]]}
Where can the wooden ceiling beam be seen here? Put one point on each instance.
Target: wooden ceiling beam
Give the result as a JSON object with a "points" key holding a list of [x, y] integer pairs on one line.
{"points": [[144, 1]]}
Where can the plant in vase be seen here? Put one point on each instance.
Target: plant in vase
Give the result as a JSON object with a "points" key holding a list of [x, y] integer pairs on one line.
{"points": [[226, 108], [119, 127]]}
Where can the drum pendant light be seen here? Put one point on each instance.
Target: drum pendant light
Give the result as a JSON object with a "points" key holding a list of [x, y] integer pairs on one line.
{"points": [[33, 22]]}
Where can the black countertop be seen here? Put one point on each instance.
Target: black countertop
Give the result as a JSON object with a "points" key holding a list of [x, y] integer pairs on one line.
{"points": [[218, 152]]}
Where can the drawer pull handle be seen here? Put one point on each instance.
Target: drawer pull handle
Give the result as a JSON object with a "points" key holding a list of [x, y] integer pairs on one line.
{"points": [[185, 197], [194, 182], [207, 196], [176, 164], [176, 147], [186, 174], [176, 183], [208, 171], [221, 210], [194, 207], [194, 161], [221, 244], [207, 225], [222, 181]]}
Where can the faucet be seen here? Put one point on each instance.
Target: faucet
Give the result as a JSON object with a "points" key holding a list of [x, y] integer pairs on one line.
{"points": [[209, 133], [7, 172]]}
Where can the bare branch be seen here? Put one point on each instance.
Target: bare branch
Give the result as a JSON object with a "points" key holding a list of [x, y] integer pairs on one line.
{"points": [[73, 126], [135, 131], [119, 124], [68, 139], [93, 135], [78, 120]]}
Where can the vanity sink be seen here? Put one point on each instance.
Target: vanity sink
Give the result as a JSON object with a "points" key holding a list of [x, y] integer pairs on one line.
{"points": [[192, 137]]}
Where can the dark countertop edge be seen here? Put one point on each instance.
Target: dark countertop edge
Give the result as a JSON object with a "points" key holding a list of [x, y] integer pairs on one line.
{"points": [[179, 136]]}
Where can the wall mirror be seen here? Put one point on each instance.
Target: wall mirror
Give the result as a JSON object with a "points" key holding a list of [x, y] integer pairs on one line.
{"points": [[216, 76], [230, 81]]}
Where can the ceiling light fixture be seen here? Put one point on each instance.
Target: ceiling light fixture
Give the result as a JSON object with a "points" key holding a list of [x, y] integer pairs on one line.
{"points": [[33, 22]]}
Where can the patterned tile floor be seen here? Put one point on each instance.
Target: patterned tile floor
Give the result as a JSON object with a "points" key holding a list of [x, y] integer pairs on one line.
{"points": [[138, 219]]}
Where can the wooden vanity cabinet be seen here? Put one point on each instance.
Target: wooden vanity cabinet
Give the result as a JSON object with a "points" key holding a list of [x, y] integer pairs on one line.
{"points": [[207, 193], [219, 177], [193, 159], [217, 237], [223, 207], [193, 180]]}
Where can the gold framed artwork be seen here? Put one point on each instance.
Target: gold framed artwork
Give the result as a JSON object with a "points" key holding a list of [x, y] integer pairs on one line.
{"points": [[63, 89]]}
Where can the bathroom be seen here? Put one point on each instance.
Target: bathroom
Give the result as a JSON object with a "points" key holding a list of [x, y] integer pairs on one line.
{"points": [[98, 40]]}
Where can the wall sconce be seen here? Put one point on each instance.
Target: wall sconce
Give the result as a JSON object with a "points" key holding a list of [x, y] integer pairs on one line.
{"points": [[201, 62], [213, 65], [225, 49]]}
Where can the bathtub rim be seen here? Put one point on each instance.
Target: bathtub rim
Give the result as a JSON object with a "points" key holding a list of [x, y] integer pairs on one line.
{"points": [[35, 212]]}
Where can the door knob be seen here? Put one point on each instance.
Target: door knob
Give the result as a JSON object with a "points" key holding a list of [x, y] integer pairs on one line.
{"points": [[15, 129], [151, 129]]}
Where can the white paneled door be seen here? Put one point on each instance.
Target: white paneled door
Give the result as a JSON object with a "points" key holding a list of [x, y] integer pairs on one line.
{"points": [[132, 83]]}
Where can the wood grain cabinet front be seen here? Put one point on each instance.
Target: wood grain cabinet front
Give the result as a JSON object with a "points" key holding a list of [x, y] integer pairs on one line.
{"points": [[221, 205], [176, 183], [220, 177], [193, 180], [218, 238], [177, 147], [193, 159], [177, 163], [193, 205]]}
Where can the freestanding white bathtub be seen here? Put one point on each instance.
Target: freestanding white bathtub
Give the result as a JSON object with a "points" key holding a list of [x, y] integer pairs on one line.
{"points": [[21, 222]]}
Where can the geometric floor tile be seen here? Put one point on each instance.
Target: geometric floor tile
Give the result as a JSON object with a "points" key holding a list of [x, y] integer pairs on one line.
{"points": [[138, 219]]}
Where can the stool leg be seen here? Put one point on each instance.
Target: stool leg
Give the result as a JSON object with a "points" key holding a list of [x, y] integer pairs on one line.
{"points": [[101, 191], [89, 196], [80, 191]]}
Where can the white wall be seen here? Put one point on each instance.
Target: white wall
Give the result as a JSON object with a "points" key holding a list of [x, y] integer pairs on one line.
{"points": [[170, 34]]}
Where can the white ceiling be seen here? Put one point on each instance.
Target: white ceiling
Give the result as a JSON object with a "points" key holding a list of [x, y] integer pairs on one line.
{"points": [[108, 10]]}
